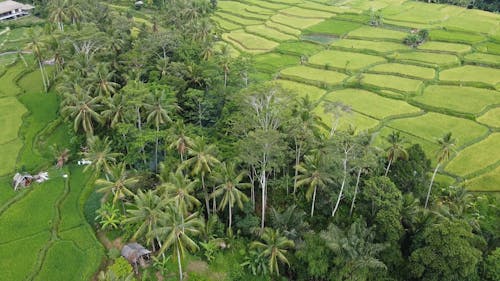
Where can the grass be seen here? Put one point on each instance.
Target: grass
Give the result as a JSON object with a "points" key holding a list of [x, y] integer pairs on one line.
{"points": [[459, 99], [482, 58], [333, 27], [32, 82], [344, 60], [306, 13], [491, 118], [64, 261], [471, 73], [391, 82], [302, 90], [419, 12], [409, 139], [432, 126], [7, 80], [273, 62], [9, 153], [70, 212], [321, 7], [405, 69], [267, 4], [354, 120], [237, 19], [473, 21], [364, 45], [16, 264], [486, 182], [368, 32], [362, 101], [283, 28], [269, 33], [219, 45], [39, 201], [431, 59], [251, 42], [224, 24], [295, 22], [489, 47], [10, 119], [476, 157], [299, 48], [445, 47], [309, 74], [240, 9], [7, 59], [455, 36]]}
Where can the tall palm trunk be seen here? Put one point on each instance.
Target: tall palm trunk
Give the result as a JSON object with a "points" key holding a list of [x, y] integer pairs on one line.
{"points": [[355, 191], [230, 216], [156, 148], [43, 76], [430, 185], [297, 162], [179, 262], [205, 194], [214, 202], [263, 184], [388, 167], [313, 200], [342, 187]]}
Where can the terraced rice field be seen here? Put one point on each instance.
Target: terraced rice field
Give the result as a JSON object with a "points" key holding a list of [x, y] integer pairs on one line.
{"points": [[32, 250], [332, 53]]}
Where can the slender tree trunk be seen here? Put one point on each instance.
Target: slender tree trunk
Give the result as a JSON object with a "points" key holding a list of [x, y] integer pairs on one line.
{"points": [[341, 188], [230, 215], [263, 187], [225, 78], [355, 191], [430, 185], [388, 167], [251, 175], [156, 149], [179, 262], [297, 162], [43, 76], [205, 193], [214, 202], [313, 201]]}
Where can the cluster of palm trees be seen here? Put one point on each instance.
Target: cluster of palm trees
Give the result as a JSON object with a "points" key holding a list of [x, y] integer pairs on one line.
{"points": [[167, 216]]}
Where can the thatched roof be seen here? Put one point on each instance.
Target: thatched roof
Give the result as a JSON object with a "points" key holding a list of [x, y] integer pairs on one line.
{"points": [[133, 251], [7, 6]]}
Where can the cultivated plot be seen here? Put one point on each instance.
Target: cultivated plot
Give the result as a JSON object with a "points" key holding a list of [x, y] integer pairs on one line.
{"points": [[398, 83], [432, 126], [314, 76], [458, 99], [405, 70], [344, 60], [471, 73], [476, 157], [371, 104], [491, 118]]}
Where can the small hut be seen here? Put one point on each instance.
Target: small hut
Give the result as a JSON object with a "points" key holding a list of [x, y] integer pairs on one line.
{"points": [[21, 181], [136, 254]]}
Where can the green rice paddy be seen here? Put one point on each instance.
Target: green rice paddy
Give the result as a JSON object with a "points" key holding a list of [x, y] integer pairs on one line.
{"points": [[450, 83]]}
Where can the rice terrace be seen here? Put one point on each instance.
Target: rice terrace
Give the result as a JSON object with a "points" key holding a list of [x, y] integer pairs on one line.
{"points": [[364, 55], [449, 83]]}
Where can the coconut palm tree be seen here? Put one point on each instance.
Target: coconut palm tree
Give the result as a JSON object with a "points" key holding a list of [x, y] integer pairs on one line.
{"points": [[118, 110], [314, 173], [446, 148], [336, 109], [74, 12], [101, 81], [178, 189], [159, 110], [83, 109], [118, 183], [177, 233], [61, 155], [274, 247], [100, 155], [201, 162], [179, 140], [396, 149], [145, 213], [58, 13], [229, 181], [36, 45], [356, 251]]}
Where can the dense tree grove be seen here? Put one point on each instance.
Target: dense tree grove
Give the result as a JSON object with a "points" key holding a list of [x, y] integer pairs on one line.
{"points": [[487, 5], [194, 155]]}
